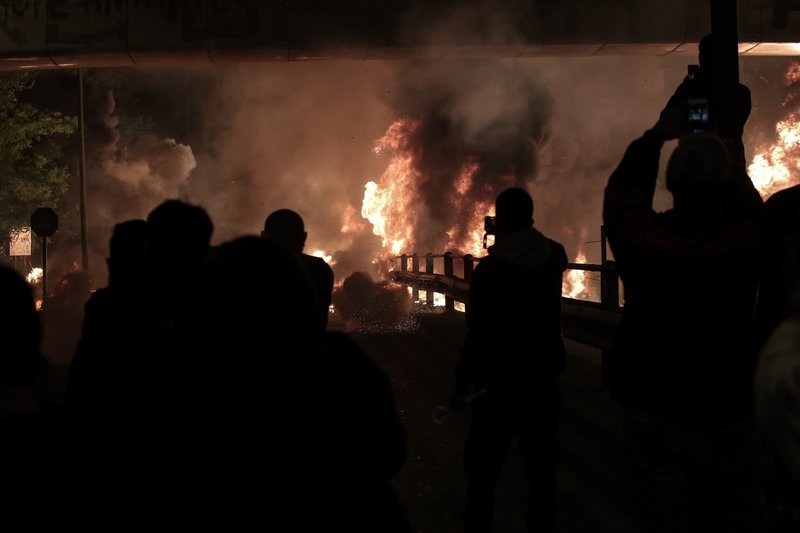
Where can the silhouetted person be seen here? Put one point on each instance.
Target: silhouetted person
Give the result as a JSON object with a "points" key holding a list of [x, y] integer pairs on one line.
{"points": [[298, 431], [103, 386], [286, 227], [366, 442], [701, 84], [514, 350], [99, 368], [252, 390], [175, 331], [777, 402], [63, 317], [131, 390], [32, 454], [781, 278], [777, 390], [684, 356]]}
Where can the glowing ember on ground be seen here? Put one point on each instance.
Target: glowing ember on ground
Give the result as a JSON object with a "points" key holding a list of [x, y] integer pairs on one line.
{"points": [[35, 275]]}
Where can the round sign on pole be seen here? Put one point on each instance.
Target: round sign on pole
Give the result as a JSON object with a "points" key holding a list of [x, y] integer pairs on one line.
{"points": [[44, 222]]}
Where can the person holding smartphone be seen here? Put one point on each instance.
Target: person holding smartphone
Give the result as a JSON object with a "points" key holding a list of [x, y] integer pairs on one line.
{"points": [[697, 90]]}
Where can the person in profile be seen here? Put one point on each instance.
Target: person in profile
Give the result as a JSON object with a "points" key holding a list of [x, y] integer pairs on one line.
{"points": [[684, 356], [287, 228], [514, 352]]}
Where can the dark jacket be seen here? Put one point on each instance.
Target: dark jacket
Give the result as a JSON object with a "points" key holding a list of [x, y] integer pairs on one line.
{"points": [[685, 348], [782, 253], [321, 275], [514, 345]]}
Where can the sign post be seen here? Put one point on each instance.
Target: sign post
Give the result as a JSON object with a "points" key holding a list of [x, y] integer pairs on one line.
{"points": [[44, 223]]}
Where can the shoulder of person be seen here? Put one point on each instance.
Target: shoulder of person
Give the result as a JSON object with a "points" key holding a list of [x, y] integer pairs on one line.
{"points": [[317, 262], [744, 89], [785, 202], [558, 252], [789, 194]]}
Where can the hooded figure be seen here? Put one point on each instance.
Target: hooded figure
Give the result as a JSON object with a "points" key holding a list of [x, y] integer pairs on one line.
{"points": [[684, 356], [514, 351]]}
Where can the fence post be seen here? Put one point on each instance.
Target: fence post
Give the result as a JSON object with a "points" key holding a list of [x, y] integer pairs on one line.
{"points": [[609, 298], [609, 285], [429, 270], [449, 303], [415, 270], [469, 265]]}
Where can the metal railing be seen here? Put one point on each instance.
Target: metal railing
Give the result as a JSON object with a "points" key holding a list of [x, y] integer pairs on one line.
{"points": [[586, 321]]}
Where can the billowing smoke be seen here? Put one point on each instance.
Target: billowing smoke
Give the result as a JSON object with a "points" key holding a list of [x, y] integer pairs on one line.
{"points": [[126, 181], [297, 136], [303, 135], [474, 127]]}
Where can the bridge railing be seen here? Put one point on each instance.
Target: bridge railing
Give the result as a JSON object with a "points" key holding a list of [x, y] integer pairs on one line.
{"points": [[585, 321]]}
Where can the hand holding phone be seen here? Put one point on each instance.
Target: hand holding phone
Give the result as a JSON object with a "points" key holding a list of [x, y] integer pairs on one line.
{"points": [[697, 113]]}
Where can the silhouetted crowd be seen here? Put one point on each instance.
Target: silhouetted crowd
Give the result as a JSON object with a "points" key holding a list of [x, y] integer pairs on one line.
{"points": [[206, 390]]}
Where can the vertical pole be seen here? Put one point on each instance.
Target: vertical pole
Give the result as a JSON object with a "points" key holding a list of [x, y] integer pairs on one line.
{"points": [[725, 89], [404, 264], [603, 268], [82, 182], [415, 270], [469, 265], [603, 245], [44, 272], [449, 303], [429, 270]]}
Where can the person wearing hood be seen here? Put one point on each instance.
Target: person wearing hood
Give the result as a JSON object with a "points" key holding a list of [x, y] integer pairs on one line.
{"points": [[684, 356], [514, 351]]}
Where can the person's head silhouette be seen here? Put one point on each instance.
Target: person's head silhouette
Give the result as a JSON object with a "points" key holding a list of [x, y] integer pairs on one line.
{"points": [[126, 250], [705, 52], [514, 211], [286, 227], [178, 234], [698, 171]]}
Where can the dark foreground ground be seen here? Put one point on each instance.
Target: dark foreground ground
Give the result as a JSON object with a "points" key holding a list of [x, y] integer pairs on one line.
{"points": [[593, 495]]}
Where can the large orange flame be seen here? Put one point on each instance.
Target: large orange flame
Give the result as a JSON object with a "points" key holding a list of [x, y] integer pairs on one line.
{"points": [[394, 208], [388, 204], [35, 275], [776, 167], [574, 282]]}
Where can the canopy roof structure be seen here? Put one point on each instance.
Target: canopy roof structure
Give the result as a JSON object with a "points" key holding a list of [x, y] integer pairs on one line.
{"points": [[94, 33]]}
